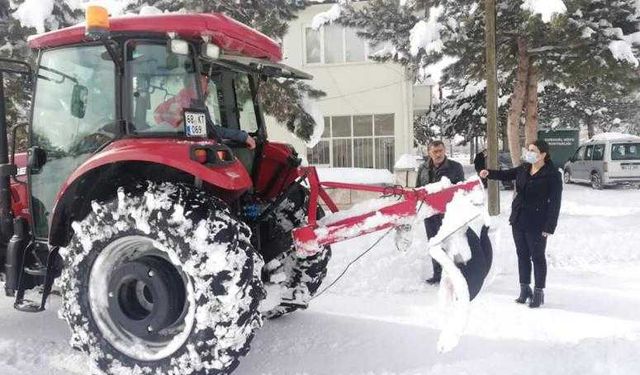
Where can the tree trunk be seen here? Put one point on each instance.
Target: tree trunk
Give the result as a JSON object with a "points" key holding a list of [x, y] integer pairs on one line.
{"points": [[590, 129], [531, 123], [517, 102]]}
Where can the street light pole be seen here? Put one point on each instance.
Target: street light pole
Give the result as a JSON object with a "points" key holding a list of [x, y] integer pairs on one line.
{"points": [[492, 103]]}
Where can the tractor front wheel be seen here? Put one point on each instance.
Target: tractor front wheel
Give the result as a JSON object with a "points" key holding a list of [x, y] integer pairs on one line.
{"points": [[291, 279], [162, 281]]}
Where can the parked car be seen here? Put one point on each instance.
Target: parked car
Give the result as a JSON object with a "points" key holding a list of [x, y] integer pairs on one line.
{"points": [[605, 163]]}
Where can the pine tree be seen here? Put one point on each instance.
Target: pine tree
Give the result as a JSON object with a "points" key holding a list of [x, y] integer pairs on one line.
{"points": [[590, 107], [591, 40]]}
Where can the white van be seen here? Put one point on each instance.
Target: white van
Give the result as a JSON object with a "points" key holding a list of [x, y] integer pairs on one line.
{"points": [[605, 162]]}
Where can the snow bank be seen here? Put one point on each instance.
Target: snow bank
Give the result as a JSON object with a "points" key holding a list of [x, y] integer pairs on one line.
{"points": [[356, 175], [545, 8], [408, 161], [34, 13]]}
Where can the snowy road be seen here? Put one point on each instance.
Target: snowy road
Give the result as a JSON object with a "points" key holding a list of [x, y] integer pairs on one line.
{"points": [[382, 319]]}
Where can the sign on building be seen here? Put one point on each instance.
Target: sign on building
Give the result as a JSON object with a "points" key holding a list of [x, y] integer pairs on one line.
{"points": [[563, 143]]}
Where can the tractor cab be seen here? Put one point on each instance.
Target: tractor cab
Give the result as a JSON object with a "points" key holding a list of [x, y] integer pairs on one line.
{"points": [[187, 79]]}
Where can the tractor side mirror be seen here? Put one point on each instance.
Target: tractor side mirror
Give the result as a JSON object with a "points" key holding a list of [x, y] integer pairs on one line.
{"points": [[37, 157], [79, 100]]}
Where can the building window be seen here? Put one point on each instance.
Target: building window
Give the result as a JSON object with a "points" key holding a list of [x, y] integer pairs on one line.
{"points": [[314, 47], [354, 46], [362, 141], [334, 44]]}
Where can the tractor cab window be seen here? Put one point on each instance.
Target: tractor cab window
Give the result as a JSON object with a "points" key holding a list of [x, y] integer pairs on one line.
{"points": [[73, 116], [230, 100], [162, 84], [246, 105]]}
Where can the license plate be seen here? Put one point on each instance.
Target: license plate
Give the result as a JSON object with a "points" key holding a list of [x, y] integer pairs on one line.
{"points": [[195, 124], [628, 167]]}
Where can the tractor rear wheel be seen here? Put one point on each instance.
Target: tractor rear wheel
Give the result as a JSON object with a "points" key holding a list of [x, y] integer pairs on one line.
{"points": [[291, 279], [162, 280]]}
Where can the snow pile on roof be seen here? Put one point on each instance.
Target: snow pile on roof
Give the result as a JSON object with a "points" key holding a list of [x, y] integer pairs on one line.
{"points": [[33, 13], [613, 136], [326, 17], [356, 176], [408, 161], [148, 10], [545, 8], [426, 34]]}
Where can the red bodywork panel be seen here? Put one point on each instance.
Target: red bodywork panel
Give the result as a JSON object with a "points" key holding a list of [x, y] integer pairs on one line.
{"points": [[275, 170], [19, 194], [172, 153], [227, 33]]}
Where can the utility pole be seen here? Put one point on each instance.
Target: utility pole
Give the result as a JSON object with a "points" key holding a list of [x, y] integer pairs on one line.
{"points": [[492, 103]]}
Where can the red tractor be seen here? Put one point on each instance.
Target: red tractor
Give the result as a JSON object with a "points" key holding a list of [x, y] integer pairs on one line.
{"points": [[162, 234]]}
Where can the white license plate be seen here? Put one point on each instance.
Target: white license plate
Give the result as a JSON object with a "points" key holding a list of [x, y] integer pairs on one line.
{"points": [[629, 167], [195, 124]]}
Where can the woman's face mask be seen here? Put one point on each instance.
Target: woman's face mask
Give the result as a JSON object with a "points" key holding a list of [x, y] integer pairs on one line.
{"points": [[530, 156]]}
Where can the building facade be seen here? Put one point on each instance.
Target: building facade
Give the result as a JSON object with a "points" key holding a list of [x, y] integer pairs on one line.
{"points": [[368, 110]]}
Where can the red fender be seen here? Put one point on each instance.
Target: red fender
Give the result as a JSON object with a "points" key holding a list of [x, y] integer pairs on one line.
{"points": [[231, 178]]}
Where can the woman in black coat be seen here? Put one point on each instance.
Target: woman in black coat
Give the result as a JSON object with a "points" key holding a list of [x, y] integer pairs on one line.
{"points": [[534, 215]]}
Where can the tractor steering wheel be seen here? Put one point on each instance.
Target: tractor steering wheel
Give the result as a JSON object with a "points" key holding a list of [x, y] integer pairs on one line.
{"points": [[95, 140]]}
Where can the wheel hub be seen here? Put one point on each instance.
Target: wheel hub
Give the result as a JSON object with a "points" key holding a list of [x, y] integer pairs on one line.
{"points": [[146, 296]]}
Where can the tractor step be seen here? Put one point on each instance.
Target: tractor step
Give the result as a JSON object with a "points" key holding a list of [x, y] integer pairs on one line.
{"points": [[26, 305]]}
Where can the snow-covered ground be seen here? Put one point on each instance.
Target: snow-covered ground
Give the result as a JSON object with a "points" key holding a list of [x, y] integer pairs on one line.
{"points": [[381, 318]]}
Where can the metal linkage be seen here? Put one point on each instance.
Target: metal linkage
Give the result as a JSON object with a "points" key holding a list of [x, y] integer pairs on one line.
{"points": [[312, 236]]}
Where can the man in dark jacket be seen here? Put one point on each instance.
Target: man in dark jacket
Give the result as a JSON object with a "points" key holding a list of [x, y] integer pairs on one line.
{"points": [[436, 166]]}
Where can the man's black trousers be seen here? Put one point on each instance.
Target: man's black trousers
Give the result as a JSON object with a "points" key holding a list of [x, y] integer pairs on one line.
{"points": [[432, 225]]}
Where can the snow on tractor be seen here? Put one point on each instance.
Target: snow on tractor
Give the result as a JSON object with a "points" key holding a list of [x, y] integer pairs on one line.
{"points": [[162, 235]]}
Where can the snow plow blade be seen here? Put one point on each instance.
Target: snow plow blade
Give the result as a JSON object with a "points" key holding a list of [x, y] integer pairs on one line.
{"points": [[462, 245], [463, 206]]}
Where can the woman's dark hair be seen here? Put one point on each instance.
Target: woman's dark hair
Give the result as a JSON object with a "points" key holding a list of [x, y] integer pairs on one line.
{"points": [[543, 146]]}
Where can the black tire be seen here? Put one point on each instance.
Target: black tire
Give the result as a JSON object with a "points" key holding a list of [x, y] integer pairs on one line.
{"points": [[567, 176], [596, 181], [181, 234], [291, 279]]}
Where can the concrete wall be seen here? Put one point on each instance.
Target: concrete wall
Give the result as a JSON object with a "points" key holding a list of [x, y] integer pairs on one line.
{"points": [[357, 88]]}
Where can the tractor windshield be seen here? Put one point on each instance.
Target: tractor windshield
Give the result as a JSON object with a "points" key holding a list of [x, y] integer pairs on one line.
{"points": [[162, 84]]}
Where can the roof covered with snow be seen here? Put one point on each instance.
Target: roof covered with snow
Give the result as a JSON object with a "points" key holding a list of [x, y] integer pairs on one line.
{"points": [[614, 136]]}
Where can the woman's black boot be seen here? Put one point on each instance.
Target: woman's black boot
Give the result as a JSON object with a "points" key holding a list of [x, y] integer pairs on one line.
{"points": [[525, 293], [538, 298]]}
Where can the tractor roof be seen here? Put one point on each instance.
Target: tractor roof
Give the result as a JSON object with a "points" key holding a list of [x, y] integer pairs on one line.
{"points": [[229, 34]]}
